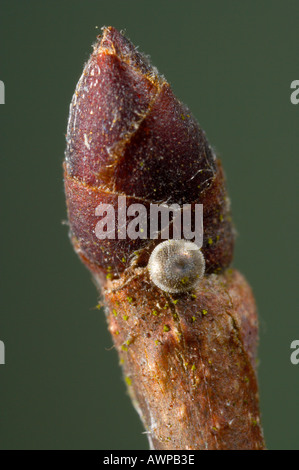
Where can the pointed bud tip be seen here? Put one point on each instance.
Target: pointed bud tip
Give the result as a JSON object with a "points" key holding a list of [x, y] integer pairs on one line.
{"points": [[114, 42]]}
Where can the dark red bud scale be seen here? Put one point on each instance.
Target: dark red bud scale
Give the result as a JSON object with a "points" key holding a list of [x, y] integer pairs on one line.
{"points": [[188, 353]]}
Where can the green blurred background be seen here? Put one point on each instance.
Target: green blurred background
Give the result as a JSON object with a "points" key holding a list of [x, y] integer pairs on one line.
{"points": [[232, 62]]}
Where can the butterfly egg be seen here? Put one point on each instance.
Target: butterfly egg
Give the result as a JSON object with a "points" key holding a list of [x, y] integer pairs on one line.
{"points": [[176, 266]]}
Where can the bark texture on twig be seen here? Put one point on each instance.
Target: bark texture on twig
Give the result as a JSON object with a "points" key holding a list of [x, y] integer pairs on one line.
{"points": [[189, 361]]}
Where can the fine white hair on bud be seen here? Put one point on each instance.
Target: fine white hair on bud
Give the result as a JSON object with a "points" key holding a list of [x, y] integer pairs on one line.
{"points": [[176, 266]]}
